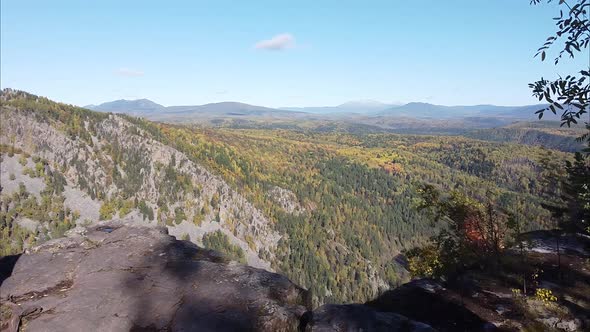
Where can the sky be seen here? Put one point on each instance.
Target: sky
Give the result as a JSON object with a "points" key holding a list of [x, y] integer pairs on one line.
{"points": [[278, 53]]}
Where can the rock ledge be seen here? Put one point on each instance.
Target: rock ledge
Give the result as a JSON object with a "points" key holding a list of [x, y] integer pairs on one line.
{"points": [[122, 278]]}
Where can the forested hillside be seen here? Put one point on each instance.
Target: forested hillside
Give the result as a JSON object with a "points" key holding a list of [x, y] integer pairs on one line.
{"points": [[545, 133], [332, 211]]}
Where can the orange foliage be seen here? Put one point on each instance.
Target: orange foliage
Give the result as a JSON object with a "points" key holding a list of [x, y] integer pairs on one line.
{"points": [[473, 230], [393, 168]]}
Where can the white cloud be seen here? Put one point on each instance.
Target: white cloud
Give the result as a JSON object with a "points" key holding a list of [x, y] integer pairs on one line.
{"points": [[276, 43], [127, 72]]}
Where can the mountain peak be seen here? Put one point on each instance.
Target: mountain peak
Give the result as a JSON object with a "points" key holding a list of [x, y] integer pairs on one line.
{"points": [[127, 106]]}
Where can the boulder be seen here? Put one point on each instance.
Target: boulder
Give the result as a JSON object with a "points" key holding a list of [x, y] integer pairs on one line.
{"points": [[358, 317], [427, 301], [124, 278]]}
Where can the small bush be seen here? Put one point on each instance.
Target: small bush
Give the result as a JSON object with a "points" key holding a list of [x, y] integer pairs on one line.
{"points": [[220, 242], [125, 208], [108, 210], [28, 171], [179, 215], [198, 219], [425, 262], [545, 295]]}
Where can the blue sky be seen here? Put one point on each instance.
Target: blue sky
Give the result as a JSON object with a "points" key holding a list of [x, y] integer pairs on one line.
{"points": [[323, 53]]}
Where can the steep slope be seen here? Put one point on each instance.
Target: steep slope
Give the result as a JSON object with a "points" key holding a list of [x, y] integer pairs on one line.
{"points": [[127, 170], [563, 140], [132, 170], [150, 281], [118, 276], [332, 211]]}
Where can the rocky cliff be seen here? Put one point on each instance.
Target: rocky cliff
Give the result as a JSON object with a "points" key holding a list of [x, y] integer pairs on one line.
{"points": [[118, 185], [116, 277], [113, 278], [149, 171]]}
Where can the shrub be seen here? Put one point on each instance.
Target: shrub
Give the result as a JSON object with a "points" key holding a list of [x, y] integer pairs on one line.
{"points": [[179, 215], [107, 210], [125, 208], [75, 215], [425, 262], [198, 219], [28, 171], [545, 295], [220, 242], [215, 201], [39, 169], [146, 210], [250, 241]]}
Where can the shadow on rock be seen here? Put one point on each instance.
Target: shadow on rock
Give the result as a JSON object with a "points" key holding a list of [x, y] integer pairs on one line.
{"points": [[6, 266], [421, 300], [115, 278]]}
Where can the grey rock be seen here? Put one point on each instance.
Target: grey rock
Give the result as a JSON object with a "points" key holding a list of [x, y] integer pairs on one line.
{"points": [[358, 317], [10, 165], [427, 301], [122, 278], [239, 218], [564, 325], [286, 199], [570, 325]]}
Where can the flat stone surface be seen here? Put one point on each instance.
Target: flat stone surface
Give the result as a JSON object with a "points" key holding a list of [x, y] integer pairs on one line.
{"points": [[122, 278]]}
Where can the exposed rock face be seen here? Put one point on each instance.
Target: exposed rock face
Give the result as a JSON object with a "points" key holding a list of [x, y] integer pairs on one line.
{"points": [[89, 164], [544, 242], [286, 199], [122, 278], [10, 166], [119, 277]]}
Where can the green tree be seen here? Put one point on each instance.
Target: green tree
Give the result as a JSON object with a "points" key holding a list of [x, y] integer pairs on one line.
{"points": [[570, 94], [473, 232], [577, 193]]}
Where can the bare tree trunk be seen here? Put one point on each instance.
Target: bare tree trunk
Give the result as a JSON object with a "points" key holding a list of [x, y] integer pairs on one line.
{"points": [[558, 256]]}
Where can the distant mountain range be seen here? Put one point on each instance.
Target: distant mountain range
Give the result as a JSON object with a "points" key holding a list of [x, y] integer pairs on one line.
{"points": [[153, 111], [425, 110], [139, 106], [351, 107], [367, 108]]}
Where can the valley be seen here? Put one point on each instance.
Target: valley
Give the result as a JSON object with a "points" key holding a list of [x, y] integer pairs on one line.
{"points": [[332, 209], [485, 122], [301, 166]]}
